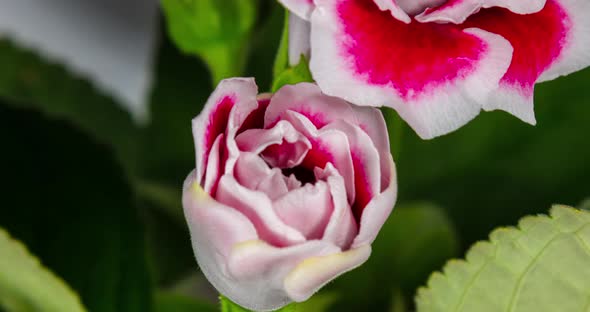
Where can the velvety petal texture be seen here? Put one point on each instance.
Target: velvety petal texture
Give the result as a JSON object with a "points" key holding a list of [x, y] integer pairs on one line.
{"points": [[438, 63], [289, 190]]}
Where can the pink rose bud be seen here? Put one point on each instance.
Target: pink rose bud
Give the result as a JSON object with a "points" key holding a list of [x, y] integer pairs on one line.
{"points": [[289, 190]]}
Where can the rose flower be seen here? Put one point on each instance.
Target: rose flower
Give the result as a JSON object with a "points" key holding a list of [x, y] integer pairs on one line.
{"points": [[289, 190]]}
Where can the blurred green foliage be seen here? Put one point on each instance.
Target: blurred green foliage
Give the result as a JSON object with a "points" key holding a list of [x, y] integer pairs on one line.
{"points": [[68, 200], [215, 30], [96, 197], [25, 285]]}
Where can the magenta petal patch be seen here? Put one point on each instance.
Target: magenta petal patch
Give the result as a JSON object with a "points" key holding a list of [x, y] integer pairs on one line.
{"points": [[432, 74], [538, 40]]}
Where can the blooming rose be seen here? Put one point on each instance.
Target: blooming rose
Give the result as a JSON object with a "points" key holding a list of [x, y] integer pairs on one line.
{"points": [[439, 62], [289, 190]]}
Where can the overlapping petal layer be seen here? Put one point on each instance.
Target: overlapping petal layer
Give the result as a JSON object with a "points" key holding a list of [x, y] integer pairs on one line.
{"points": [[306, 177], [438, 63]]}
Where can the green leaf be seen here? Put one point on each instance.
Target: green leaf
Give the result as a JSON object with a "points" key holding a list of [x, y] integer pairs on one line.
{"points": [[25, 285], [265, 42], [540, 266], [319, 302], [293, 75], [170, 302], [416, 239], [69, 201], [229, 306], [217, 31], [282, 58], [26, 80]]}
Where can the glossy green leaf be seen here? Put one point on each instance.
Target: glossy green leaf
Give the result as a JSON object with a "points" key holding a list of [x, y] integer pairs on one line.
{"points": [[540, 266], [25, 285], [217, 31], [69, 201], [416, 239]]}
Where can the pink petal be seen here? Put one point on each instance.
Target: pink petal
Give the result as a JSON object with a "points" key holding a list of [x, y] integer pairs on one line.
{"points": [[342, 227], [328, 146], [250, 169], [308, 100], [283, 146], [274, 185], [213, 120], [392, 6], [457, 11], [436, 76], [575, 54], [377, 211], [212, 173], [306, 209], [366, 163], [214, 229], [257, 207], [302, 8], [314, 273], [413, 7], [253, 173], [255, 119], [538, 40], [260, 271], [299, 39], [238, 117]]}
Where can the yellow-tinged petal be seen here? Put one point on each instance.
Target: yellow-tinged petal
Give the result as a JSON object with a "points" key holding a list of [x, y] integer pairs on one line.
{"points": [[313, 273]]}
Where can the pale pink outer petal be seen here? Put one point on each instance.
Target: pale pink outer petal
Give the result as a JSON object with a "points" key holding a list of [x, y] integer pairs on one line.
{"points": [[301, 8], [377, 211], [214, 230], [242, 91], [440, 111], [457, 11], [315, 272], [257, 206], [238, 264], [260, 271], [299, 39], [384, 5], [576, 51]]}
